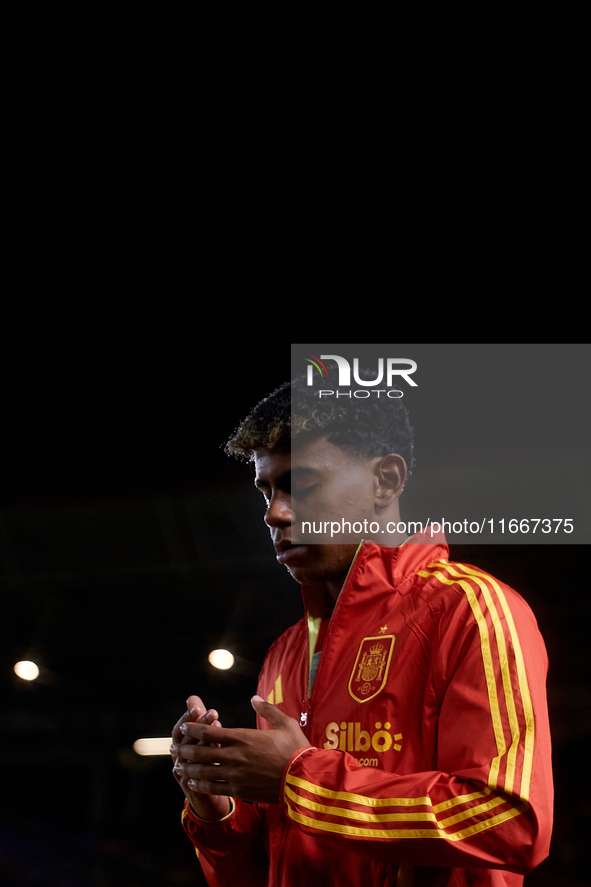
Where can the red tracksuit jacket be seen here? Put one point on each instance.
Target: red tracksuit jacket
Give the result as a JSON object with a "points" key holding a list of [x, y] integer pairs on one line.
{"points": [[429, 758]]}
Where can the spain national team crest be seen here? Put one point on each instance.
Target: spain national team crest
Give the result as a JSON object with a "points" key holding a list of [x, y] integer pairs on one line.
{"points": [[371, 667]]}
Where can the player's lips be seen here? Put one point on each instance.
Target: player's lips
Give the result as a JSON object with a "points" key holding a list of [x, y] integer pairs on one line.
{"points": [[287, 551]]}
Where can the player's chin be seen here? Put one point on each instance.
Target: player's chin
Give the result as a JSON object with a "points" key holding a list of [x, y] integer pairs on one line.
{"points": [[310, 563], [305, 562], [296, 558]]}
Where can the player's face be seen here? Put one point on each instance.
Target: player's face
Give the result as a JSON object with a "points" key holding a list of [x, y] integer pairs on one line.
{"points": [[314, 481]]}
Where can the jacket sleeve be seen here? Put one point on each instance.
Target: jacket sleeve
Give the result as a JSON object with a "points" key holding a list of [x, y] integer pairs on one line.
{"points": [[235, 849], [488, 801], [230, 851]]}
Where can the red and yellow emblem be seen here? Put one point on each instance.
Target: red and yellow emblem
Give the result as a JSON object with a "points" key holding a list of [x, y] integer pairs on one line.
{"points": [[371, 667]]}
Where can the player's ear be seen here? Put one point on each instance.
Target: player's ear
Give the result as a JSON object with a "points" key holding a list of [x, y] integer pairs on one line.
{"points": [[391, 474]]}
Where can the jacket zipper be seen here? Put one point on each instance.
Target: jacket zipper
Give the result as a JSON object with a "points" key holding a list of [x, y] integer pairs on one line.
{"points": [[306, 713]]}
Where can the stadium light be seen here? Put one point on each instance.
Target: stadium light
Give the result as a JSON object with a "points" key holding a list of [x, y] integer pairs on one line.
{"points": [[221, 659], [159, 745], [26, 670]]}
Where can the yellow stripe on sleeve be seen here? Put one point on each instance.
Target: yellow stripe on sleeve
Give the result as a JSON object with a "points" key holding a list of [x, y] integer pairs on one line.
{"points": [[461, 799], [506, 677], [346, 813], [354, 798], [406, 834], [523, 686], [489, 586], [489, 671], [415, 816]]}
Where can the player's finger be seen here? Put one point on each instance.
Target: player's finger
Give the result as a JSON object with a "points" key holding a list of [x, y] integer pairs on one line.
{"points": [[195, 710], [212, 733], [177, 735], [210, 718], [202, 753], [195, 706], [210, 788]]}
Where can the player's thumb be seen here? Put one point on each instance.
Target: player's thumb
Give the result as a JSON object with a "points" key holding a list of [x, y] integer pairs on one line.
{"points": [[269, 712], [196, 707]]}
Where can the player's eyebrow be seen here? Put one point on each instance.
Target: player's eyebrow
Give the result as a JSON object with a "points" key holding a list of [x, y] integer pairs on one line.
{"points": [[304, 469], [285, 480]]}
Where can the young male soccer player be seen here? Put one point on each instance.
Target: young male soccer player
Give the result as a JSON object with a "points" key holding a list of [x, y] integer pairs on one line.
{"points": [[402, 733]]}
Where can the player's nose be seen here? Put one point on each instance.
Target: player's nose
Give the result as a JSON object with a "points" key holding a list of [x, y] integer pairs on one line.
{"points": [[279, 513]]}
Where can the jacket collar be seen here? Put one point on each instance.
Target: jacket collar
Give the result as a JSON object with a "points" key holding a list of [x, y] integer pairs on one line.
{"points": [[394, 567]]}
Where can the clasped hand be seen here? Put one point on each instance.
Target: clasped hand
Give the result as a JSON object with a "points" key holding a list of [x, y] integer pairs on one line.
{"points": [[238, 762]]}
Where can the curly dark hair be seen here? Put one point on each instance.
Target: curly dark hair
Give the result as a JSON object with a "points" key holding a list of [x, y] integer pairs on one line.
{"points": [[369, 426]]}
